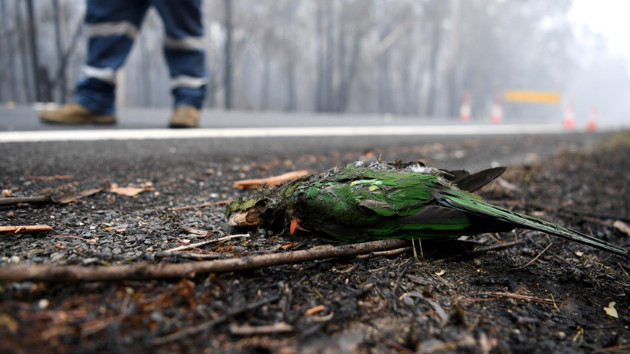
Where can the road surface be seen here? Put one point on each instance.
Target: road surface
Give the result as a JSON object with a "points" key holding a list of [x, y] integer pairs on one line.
{"points": [[140, 134]]}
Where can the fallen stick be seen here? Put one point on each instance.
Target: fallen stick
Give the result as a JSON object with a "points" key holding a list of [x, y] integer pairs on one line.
{"points": [[517, 297], [270, 181], [30, 200], [49, 178], [202, 243], [614, 348], [190, 255], [209, 324], [479, 250], [535, 258], [23, 229], [148, 271], [496, 247], [187, 207], [249, 330]]}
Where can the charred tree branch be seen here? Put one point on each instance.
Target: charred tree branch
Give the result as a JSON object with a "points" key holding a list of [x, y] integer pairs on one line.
{"points": [[147, 271]]}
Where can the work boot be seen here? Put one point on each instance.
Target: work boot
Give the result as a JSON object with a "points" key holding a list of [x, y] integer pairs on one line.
{"points": [[185, 117], [74, 113]]}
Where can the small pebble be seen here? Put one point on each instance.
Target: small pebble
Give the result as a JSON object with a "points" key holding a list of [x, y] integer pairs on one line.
{"points": [[43, 304]]}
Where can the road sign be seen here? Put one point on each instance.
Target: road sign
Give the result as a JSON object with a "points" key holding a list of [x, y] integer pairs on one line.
{"points": [[532, 96]]}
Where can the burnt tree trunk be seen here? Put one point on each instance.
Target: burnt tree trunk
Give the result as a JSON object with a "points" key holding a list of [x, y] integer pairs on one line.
{"points": [[32, 41], [61, 84], [227, 75], [28, 92], [319, 89]]}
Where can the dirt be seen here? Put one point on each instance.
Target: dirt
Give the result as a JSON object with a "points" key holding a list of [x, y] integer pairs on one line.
{"points": [[478, 294]]}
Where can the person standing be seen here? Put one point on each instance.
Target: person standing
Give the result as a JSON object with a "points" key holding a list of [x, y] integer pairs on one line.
{"points": [[111, 27]]}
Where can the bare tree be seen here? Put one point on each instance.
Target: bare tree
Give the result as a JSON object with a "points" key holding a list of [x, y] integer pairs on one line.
{"points": [[59, 79], [436, 12], [59, 47], [39, 73], [9, 48], [320, 90], [291, 56], [452, 83], [227, 69], [398, 56], [28, 94]]}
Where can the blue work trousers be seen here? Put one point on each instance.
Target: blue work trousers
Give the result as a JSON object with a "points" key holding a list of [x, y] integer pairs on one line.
{"points": [[112, 25]]}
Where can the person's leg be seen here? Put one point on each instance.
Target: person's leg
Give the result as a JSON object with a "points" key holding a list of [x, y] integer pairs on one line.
{"points": [[111, 26], [185, 55]]}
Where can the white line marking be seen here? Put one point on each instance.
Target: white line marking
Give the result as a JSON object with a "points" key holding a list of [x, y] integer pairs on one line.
{"points": [[142, 134]]}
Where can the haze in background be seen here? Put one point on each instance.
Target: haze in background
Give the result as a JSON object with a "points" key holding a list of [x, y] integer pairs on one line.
{"points": [[598, 83], [409, 58]]}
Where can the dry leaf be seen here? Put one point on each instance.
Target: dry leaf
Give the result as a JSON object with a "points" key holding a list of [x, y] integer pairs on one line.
{"points": [[128, 191], [622, 226], [610, 310], [131, 191], [197, 232], [64, 199], [439, 310], [440, 273], [9, 323]]}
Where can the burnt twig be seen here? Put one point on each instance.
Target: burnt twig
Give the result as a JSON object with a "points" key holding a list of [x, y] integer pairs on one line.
{"points": [[187, 207], [535, 258], [202, 243], [518, 297], [40, 199], [480, 250], [148, 271], [22, 229], [210, 324]]}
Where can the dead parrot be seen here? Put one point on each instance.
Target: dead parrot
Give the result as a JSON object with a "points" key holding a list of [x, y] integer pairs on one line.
{"points": [[370, 201]]}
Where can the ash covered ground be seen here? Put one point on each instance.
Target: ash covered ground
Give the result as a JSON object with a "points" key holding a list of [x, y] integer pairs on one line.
{"points": [[474, 295]]}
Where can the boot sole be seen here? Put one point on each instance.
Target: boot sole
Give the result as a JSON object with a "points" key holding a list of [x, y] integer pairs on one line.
{"points": [[86, 121], [181, 125]]}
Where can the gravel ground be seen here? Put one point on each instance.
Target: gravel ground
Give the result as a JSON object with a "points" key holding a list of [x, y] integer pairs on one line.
{"points": [[515, 299]]}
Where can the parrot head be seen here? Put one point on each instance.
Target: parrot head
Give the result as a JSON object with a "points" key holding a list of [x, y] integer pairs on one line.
{"points": [[246, 212]]}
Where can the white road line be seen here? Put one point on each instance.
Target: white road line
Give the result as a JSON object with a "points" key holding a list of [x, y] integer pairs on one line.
{"points": [[143, 134]]}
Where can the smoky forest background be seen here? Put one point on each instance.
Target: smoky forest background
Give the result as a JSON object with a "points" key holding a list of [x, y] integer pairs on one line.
{"points": [[416, 58]]}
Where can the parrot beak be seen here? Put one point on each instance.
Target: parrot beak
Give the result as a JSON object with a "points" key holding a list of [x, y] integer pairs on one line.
{"points": [[245, 219]]}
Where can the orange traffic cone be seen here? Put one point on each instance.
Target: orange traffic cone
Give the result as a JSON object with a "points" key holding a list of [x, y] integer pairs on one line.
{"points": [[569, 118], [496, 116], [464, 110], [591, 124]]}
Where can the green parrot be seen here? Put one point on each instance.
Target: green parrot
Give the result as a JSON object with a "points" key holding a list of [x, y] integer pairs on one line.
{"points": [[369, 201]]}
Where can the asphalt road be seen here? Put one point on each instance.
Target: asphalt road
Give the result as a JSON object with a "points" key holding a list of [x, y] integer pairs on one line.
{"points": [[25, 143]]}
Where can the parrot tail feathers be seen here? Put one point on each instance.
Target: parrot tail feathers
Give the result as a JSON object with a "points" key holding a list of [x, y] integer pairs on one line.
{"points": [[473, 205], [475, 181]]}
